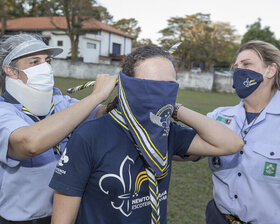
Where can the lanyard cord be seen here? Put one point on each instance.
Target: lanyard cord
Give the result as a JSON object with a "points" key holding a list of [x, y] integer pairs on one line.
{"points": [[244, 134]]}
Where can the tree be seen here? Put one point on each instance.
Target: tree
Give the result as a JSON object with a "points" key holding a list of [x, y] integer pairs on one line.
{"points": [[55, 8], [129, 26], [144, 42], [76, 12], [43, 8], [10, 9], [256, 32], [204, 43], [102, 14]]}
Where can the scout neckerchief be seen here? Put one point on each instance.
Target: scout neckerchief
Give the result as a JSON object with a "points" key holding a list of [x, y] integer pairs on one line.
{"points": [[10, 99], [146, 107]]}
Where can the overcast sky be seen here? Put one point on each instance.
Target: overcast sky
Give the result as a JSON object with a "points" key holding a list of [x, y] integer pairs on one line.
{"points": [[152, 15]]}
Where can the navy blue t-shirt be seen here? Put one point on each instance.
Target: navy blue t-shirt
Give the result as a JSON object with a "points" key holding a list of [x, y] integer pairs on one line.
{"points": [[102, 165]]}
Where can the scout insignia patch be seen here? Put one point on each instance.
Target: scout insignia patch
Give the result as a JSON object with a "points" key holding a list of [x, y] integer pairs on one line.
{"points": [[270, 169], [216, 162], [223, 119]]}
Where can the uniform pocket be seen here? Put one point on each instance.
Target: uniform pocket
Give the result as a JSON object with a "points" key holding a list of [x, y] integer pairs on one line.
{"points": [[266, 163]]}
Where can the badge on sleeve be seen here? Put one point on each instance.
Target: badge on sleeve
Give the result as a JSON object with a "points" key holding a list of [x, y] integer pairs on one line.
{"points": [[223, 120], [270, 169], [216, 163]]}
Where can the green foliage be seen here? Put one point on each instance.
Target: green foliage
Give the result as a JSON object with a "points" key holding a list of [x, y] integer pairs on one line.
{"points": [[75, 12], [191, 184], [42, 8], [256, 32], [102, 14], [10, 9], [203, 41], [129, 26], [144, 42]]}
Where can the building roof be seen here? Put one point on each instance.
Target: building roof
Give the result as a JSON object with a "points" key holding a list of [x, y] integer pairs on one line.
{"points": [[55, 23]]}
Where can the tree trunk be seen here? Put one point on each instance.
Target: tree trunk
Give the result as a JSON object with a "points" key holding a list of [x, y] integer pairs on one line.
{"points": [[4, 25], [74, 47]]}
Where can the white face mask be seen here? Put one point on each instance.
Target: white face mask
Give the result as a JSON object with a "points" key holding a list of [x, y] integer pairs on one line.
{"points": [[37, 102], [40, 77]]}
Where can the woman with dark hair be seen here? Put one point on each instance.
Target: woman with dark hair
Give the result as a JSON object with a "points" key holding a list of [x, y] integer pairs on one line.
{"points": [[247, 184], [116, 169]]}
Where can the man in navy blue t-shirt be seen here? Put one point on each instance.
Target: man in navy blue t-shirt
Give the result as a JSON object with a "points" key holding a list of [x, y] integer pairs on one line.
{"points": [[116, 169]]}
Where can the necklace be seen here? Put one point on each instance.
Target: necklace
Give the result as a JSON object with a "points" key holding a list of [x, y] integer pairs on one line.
{"points": [[244, 133]]}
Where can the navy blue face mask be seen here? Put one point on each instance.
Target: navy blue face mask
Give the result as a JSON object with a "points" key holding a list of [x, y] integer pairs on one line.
{"points": [[246, 81]]}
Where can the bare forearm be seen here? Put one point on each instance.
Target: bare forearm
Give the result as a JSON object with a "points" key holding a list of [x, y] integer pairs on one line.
{"points": [[65, 208], [210, 130], [35, 139], [32, 140]]}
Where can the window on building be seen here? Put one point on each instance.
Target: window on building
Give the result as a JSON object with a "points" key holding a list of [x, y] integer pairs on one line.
{"points": [[59, 43], [91, 45], [116, 48]]}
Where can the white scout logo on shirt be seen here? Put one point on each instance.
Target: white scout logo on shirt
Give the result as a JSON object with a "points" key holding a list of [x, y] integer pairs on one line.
{"points": [[63, 159], [122, 201], [127, 200]]}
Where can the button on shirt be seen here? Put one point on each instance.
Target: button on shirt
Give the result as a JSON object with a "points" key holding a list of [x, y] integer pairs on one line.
{"points": [[247, 184], [24, 191]]}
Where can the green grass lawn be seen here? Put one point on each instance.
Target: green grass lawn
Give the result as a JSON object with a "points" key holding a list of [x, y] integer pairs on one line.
{"points": [[191, 185]]}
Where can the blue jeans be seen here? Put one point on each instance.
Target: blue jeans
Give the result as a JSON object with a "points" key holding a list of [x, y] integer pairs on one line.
{"points": [[213, 215]]}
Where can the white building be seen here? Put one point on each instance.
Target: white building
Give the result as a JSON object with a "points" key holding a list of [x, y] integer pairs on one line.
{"points": [[100, 42]]}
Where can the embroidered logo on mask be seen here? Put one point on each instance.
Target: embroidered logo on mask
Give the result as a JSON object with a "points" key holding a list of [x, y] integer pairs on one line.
{"points": [[247, 83], [162, 118]]}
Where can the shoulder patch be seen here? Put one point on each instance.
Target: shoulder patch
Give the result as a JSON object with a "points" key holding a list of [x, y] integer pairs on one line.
{"points": [[223, 119]]}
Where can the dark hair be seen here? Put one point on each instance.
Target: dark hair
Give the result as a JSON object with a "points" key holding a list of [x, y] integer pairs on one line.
{"points": [[140, 54], [133, 60]]}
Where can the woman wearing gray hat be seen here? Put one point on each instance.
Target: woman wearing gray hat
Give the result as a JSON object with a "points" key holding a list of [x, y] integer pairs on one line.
{"points": [[34, 126]]}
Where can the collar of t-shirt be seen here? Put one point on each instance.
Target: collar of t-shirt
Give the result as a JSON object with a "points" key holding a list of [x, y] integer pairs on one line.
{"points": [[251, 116]]}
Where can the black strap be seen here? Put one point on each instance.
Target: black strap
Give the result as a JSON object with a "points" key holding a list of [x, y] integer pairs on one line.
{"points": [[45, 220]]}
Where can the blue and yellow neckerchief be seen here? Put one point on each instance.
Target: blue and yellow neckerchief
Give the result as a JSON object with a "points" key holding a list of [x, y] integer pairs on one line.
{"points": [[10, 99], [145, 108], [38, 118], [149, 174]]}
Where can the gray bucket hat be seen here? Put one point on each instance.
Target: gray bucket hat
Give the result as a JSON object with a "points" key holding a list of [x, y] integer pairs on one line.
{"points": [[29, 47]]}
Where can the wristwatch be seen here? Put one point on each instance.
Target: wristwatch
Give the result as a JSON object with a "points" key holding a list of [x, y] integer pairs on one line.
{"points": [[175, 111]]}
